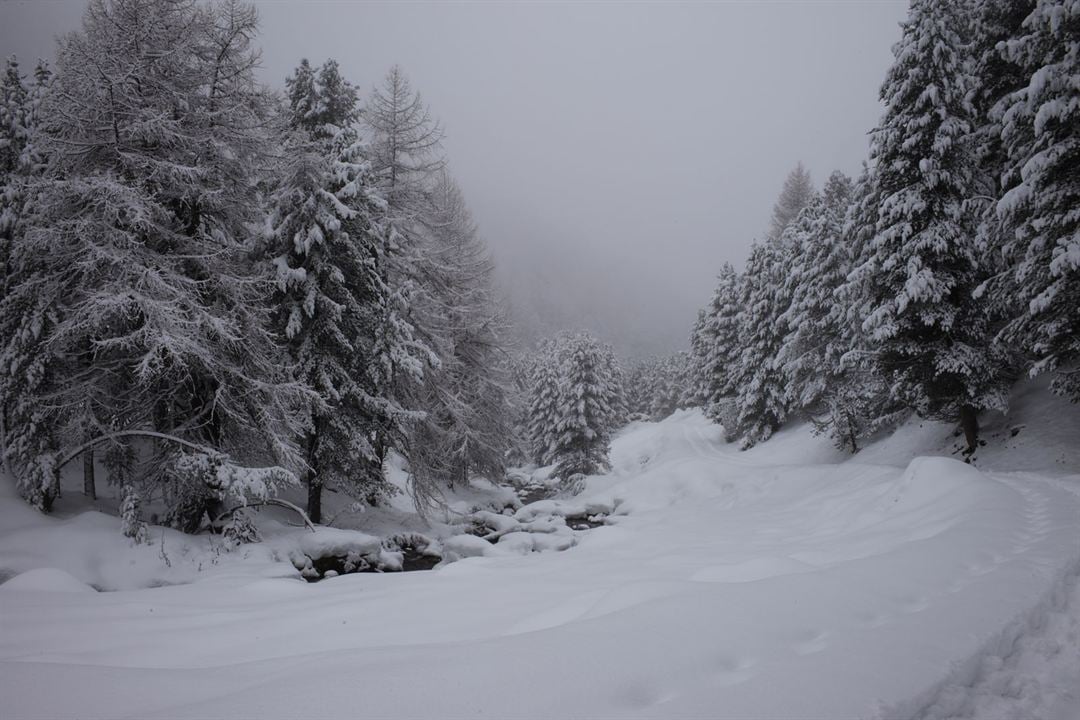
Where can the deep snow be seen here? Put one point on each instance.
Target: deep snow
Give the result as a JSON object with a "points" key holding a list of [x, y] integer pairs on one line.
{"points": [[787, 581]]}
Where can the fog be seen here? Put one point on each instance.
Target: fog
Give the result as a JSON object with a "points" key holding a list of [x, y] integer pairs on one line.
{"points": [[614, 154]]}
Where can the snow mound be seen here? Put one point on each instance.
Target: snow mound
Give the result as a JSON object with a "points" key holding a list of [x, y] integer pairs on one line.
{"points": [[50, 580]]}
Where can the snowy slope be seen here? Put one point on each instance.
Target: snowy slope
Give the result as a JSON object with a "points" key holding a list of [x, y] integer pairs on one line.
{"points": [[784, 582]]}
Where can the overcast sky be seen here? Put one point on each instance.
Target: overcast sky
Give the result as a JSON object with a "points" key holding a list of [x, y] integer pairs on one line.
{"points": [[614, 154]]}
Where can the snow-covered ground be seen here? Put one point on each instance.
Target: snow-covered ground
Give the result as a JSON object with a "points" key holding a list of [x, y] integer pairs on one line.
{"points": [[784, 582]]}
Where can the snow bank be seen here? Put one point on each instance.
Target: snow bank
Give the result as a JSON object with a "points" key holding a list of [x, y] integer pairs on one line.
{"points": [[45, 580]]}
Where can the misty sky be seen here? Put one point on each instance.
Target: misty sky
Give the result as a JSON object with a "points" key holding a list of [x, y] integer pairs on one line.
{"points": [[614, 154]]}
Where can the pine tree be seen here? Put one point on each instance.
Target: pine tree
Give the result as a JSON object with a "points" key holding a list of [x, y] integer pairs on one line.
{"points": [[1040, 128], [859, 399], [699, 348], [27, 427], [930, 335], [812, 349], [327, 244], [543, 404], [721, 338], [584, 427], [758, 379]]}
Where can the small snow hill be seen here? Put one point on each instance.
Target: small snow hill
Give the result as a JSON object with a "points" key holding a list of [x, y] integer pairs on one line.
{"points": [[788, 581]]}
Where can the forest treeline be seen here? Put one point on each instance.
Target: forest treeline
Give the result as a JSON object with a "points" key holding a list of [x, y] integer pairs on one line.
{"points": [[212, 289], [947, 270]]}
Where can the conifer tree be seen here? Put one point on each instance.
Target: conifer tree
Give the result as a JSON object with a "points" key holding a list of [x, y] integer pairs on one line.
{"points": [[720, 339], [543, 404], [328, 241], [139, 305], [1040, 129], [466, 423], [930, 335], [859, 399], [796, 194], [586, 412], [820, 263], [761, 394]]}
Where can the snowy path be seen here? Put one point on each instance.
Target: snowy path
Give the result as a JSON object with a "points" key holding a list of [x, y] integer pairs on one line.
{"points": [[732, 585]]}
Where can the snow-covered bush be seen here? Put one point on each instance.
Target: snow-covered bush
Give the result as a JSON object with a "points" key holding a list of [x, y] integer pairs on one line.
{"points": [[131, 522]]}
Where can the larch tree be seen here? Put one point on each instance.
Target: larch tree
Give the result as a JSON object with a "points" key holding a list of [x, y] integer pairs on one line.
{"points": [[796, 194], [466, 427], [405, 151], [141, 292]]}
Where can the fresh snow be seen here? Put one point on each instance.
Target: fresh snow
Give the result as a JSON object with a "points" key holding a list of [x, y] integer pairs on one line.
{"points": [[788, 581]]}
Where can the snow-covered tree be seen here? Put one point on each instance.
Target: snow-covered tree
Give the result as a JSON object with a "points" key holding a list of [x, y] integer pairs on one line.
{"points": [[1040, 129], [405, 150], [858, 398], [761, 399], [586, 408], [660, 386], [930, 336], [820, 263], [576, 402], [327, 243], [796, 194], [720, 340], [543, 413], [137, 277], [24, 430], [466, 426]]}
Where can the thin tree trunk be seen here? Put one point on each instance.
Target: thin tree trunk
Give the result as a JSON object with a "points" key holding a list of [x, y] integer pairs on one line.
{"points": [[969, 423], [3, 444], [89, 487], [313, 481], [314, 497]]}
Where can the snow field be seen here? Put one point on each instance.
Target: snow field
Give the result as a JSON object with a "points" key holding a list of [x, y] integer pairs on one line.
{"points": [[728, 584]]}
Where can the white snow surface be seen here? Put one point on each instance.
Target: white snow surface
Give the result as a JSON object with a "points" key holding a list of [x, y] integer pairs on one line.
{"points": [[784, 582]]}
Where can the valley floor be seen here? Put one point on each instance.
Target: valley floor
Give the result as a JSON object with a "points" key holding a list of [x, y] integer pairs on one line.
{"points": [[785, 582]]}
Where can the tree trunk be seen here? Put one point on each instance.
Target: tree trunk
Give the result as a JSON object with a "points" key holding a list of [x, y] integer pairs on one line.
{"points": [[313, 481], [969, 423], [314, 498], [89, 488]]}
